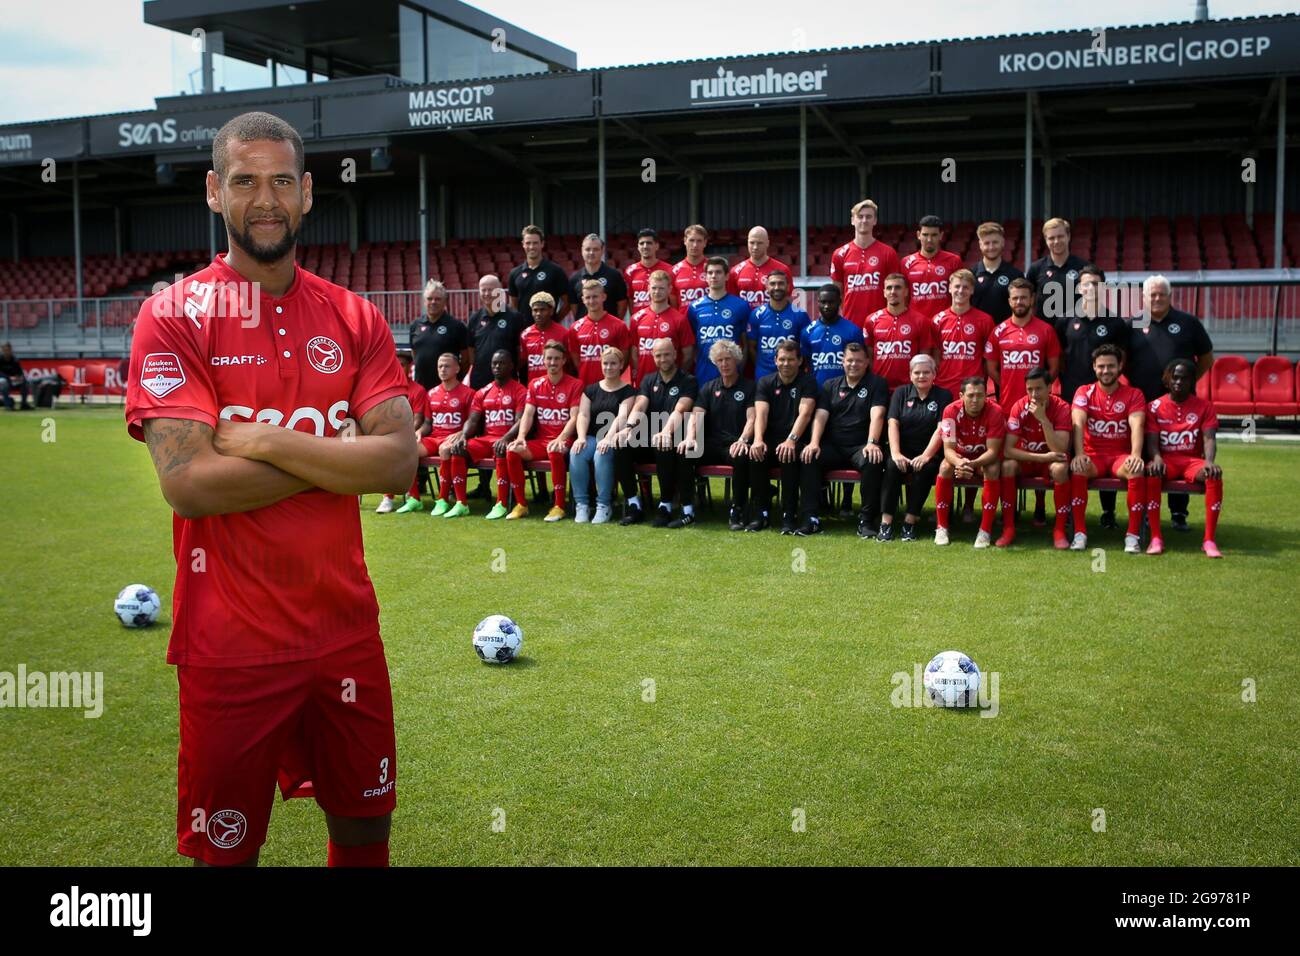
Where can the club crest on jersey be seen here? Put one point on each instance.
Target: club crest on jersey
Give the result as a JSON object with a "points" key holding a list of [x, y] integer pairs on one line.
{"points": [[932, 406], [1175, 329], [541, 276], [324, 354], [873, 260], [454, 403], [738, 395], [663, 326], [604, 333], [787, 324], [1031, 339], [1072, 274], [1193, 418], [862, 393], [1101, 330], [939, 270], [161, 373], [442, 330], [506, 399], [969, 329], [1003, 280], [226, 828], [1119, 407], [501, 323], [559, 397], [836, 340], [904, 330]]}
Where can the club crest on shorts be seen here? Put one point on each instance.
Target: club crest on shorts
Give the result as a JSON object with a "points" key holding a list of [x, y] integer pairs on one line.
{"points": [[325, 355], [227, 829]]}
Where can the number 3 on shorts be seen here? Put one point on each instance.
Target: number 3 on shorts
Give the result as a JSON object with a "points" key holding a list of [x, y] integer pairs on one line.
{"points": [[383, 770]]}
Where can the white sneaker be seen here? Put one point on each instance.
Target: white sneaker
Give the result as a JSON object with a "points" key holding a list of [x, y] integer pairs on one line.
{"points": [[983, 539], [940, 535], [385, 506], [1132, 544], [603, 514], [582, 514], [1080, 541]]}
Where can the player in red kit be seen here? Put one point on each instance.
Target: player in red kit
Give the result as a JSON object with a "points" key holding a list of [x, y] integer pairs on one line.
{"points": [[532, 340], [690, 282], [929, 268], [418, 396], [897, 333], [859, 267], [595, 331], [1108, 424], [552, 406], [242, 419], [659, 320], [973, 429], [638, 274], [1181, 441], [961, 332], [748, 279], [491, 427], [1039, 426], [449, 405]]}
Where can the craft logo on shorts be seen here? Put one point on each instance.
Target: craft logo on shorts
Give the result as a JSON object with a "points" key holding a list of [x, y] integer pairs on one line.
{"points": [[324, 355], [227, 828], [161, 373]]}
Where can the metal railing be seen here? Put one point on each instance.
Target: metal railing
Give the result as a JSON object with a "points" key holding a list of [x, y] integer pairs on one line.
{"points": [[1244, 311]]}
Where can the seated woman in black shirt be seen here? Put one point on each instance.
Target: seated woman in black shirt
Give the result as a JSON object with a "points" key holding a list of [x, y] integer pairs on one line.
{"points": [[602, 425]]}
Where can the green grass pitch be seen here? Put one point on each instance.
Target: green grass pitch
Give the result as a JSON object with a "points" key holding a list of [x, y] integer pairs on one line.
{"points": [[1120, 691]]}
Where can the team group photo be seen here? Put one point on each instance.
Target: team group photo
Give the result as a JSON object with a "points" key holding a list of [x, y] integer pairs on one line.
{"points": [[868, 450]]}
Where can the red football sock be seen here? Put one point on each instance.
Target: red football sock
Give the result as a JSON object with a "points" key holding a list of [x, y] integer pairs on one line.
{"points": [[1061, 501], [503, 479], [942, 500], [989, 503], [515, 471], [444, 479], [1137, 501], [559, 475], [1009, 503], [414, 490], [1079, 502], [372, 854], [1155, 489], [1213, 505], [459, 471]]}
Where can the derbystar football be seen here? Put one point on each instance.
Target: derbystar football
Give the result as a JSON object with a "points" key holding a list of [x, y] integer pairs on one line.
{"points": [[952, 679], [497, 639], [137, 605]]}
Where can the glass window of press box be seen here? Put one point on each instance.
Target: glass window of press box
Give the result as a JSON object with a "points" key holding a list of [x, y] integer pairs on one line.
{"points": [[434, 51]]}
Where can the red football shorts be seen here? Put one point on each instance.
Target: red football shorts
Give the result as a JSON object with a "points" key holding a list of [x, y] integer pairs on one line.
{"points": [[1182, 467], [480, 449], [1108, 465], [537, 448], [1034, 469], [432, 442], [321, 728]]}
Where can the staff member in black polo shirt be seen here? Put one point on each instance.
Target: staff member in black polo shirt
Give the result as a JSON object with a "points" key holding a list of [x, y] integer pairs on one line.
{"points": [[1056, 275], [850, 417], [915, 448], [12, 376], [667, 397], [993, 274], [436, 332], [537, 274], [724, 416], [491, 328], [1160, 335], [595, 267], [784, 404]]}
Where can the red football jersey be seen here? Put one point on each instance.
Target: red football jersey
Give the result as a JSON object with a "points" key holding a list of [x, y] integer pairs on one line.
{"points": [[690, 282], [861, 273], [962, 339], [532, 341], [449, 410], [928, 280], [1107, 432], [590, 338], [553, 404], [638, 284], [649, 325], [1020, 421], [971, 435], [1181, 428], [750, 281], [1017, 350], [500, 407], [418, 396], [894, 339], [286, 582]]}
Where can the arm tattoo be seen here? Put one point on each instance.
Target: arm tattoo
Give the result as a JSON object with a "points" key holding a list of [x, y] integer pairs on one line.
{"points": [[173, 442], [387, 417]]}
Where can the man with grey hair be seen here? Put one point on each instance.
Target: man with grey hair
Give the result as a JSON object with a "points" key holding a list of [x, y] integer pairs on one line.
{"points": [[1160, 335], [722, 425], [595, 267], [436, 332]]}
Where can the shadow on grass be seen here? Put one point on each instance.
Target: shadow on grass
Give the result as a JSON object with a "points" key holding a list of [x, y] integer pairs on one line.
{"points": [[519, 663]]}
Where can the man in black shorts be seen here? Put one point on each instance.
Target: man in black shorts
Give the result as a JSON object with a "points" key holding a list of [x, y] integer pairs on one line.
{"points": [[784, 404], [660, 414]]}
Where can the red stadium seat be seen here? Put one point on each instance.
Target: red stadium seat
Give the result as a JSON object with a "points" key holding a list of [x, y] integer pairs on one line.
{"points": [[1231, 386], [1203, 386], [1273, 382]]}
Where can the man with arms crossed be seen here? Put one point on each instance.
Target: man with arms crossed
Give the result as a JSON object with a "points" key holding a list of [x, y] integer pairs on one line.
{"points": [[281, 613]]}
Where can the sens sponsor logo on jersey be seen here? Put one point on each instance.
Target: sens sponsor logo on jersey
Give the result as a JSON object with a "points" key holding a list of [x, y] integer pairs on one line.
{"points": [[161, 373], [1103, 429], [889, 349], [929, 290], [325, 355], [336, 415], [959, 350], [1021, 358], [863, 280], [552, 414]]}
